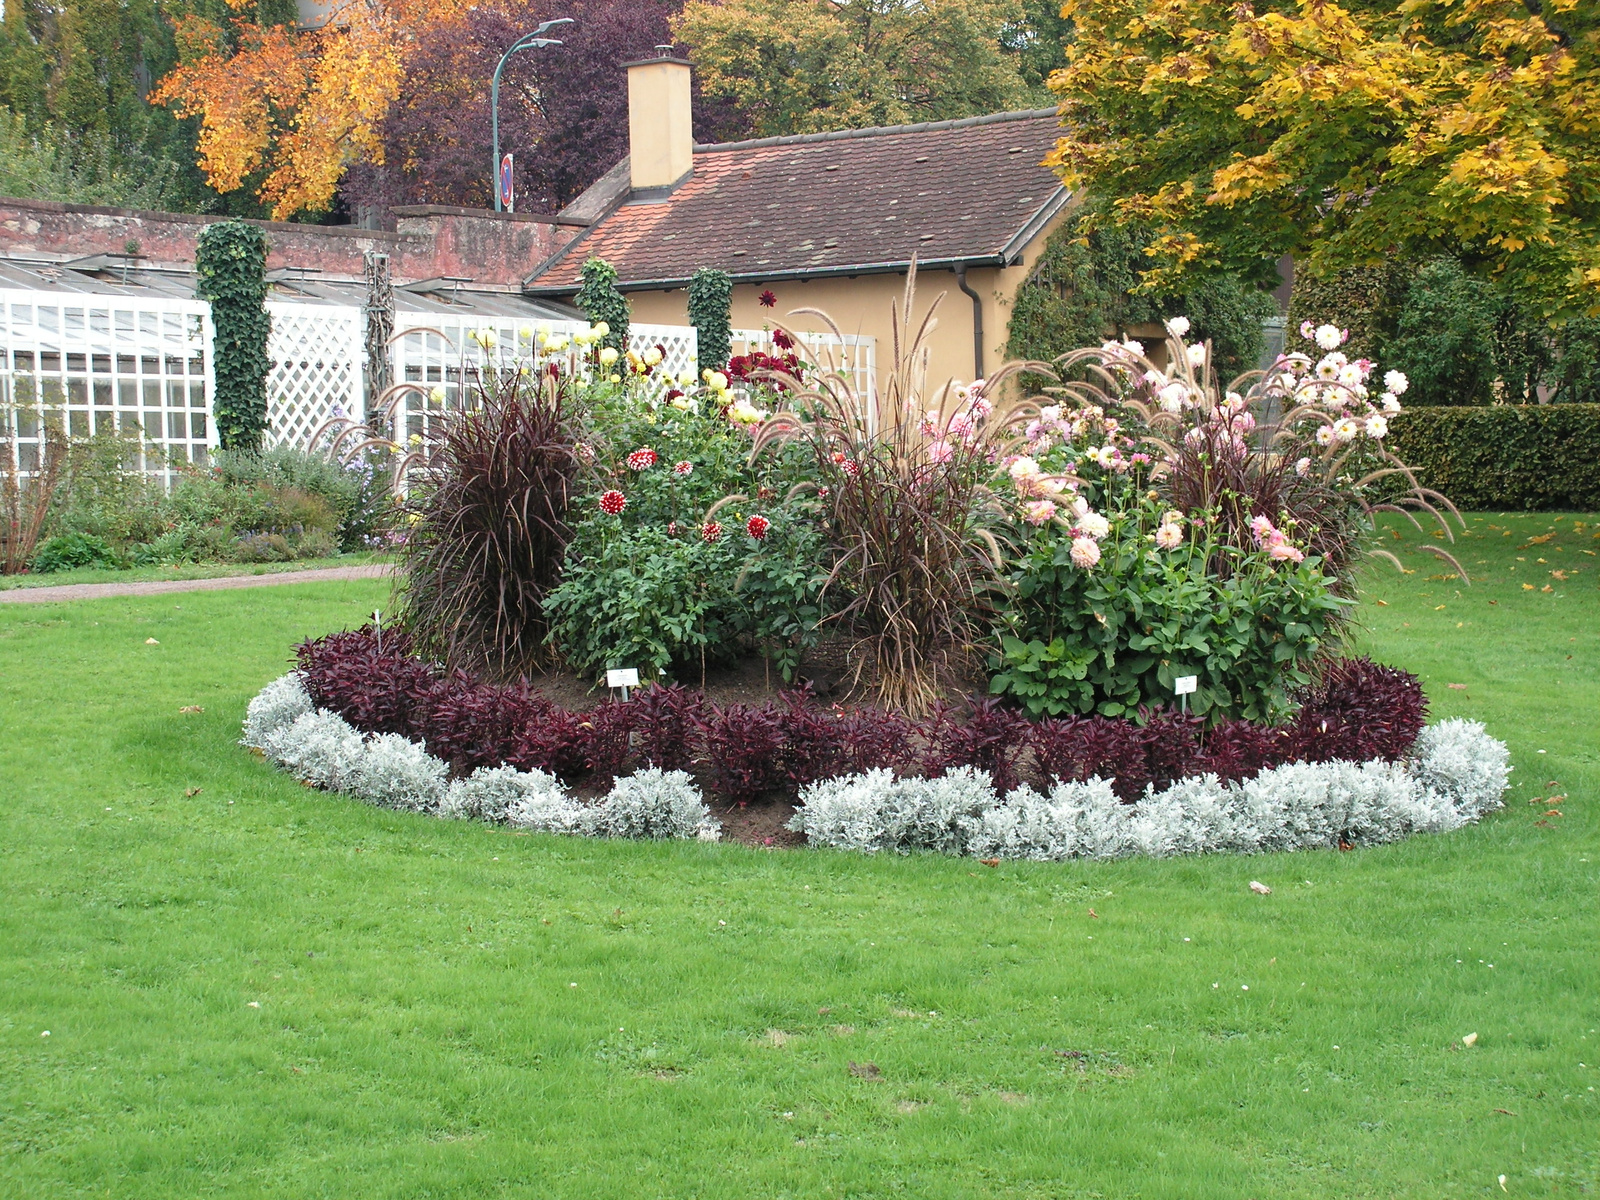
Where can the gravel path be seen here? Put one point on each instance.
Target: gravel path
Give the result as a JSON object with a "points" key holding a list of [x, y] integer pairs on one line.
{"points": [[157, 587]]}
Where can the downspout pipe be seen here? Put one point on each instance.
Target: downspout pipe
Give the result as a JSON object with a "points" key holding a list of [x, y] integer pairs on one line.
{"points": [[977, 320]]}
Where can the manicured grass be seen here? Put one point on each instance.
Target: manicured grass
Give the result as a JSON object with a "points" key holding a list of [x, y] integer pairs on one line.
{"points": [[447, 1010], [185, 571]]}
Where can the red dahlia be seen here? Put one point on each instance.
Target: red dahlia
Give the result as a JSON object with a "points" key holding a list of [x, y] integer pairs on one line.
{"points": [[642, 459], [767, 299], [683, 468], [757, 527], [710, 532], [613, 502]]}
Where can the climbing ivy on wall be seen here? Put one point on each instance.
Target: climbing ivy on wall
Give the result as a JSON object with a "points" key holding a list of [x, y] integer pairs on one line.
{"points": [[601, 301], [232, 264], [710, 307]]}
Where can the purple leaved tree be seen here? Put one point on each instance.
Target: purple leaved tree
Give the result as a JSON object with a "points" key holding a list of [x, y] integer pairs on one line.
{"points": [[563, 109]]}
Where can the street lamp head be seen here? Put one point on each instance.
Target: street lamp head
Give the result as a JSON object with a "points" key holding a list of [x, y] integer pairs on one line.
{"points": [[547, 25]]}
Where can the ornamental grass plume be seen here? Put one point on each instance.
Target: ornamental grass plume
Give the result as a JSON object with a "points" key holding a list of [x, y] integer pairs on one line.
{"points": [[490, 527], [916, 532]]}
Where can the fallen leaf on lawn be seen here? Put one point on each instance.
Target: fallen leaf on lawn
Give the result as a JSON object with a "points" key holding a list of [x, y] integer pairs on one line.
{"points": [[1527, 587], [1541, 539], [192, 792], [1506, 1111], [1092, 913], [1469, 1039], [254, 1004], [1503, 1186], [1383, 604], [1456, 687], [1554, 812], [1438, 608], [1260, 888], [1547, 588], [866, 1070], [151, 642], [990, 862], [1561, 575], [191, 708]]}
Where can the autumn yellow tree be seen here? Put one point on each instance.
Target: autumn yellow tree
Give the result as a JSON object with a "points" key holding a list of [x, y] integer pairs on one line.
{"points": [[298, 105], [1345, 134]]}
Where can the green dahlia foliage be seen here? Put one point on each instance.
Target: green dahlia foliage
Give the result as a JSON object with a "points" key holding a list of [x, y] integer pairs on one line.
{"points": [[685, 551]]}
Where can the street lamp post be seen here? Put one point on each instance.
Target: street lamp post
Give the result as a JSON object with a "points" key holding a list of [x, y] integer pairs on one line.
{"points": [[531, 41]]}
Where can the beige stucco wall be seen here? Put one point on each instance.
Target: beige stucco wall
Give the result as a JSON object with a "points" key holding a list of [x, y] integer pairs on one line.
{"points": [[862, 306]]}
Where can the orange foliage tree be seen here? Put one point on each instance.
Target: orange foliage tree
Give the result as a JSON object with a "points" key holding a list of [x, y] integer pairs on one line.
{"points": [[299, 104]]}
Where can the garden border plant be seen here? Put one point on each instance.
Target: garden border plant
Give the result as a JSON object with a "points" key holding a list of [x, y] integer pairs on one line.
{"points": [[1451, 775]]}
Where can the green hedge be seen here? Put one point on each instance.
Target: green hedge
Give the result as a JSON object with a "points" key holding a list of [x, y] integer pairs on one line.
{"points": [[1505, 456]]}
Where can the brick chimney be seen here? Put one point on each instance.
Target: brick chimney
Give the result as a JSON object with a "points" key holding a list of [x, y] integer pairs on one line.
{"points": [[660, 126]]}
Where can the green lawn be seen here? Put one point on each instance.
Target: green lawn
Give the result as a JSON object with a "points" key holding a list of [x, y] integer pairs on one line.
{"points": [[252, 989], [184, 571]]}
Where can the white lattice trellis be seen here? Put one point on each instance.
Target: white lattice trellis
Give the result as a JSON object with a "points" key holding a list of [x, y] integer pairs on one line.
{"points": [[853, 355], [97, 363], [316, 355]]}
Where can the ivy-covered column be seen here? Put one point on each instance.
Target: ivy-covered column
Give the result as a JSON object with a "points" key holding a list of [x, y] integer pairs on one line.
{"points": [[232, 264], [600, 300], [710, 308]]}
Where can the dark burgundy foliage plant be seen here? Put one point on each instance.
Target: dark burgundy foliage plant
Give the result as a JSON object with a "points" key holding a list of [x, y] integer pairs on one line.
{"points": [[377, 690], [744, 745], [489, 530], [1356, 711], [811, 749], [989, 737], [610, 728], [668, 722], [1235, 750]]}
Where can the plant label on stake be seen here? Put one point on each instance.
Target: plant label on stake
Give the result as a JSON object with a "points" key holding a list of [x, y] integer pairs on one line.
{"points": [[1184, 686], [627, 677], [377, 626]]}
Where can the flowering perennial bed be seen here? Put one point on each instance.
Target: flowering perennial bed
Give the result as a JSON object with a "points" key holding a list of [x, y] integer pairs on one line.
{"points": [[1453, 774]]}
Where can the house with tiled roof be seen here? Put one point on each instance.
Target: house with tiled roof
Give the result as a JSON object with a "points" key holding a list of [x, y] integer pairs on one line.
{"points": [[829, 221]]}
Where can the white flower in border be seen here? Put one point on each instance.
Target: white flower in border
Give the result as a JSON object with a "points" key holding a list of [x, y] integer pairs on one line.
{"points": [[1092, 524], [1329, 337], [1085, 553], [1197, 354], [1178, 326], [1396, 382], [1391, 402], [1346, 428], [1169, 537], [1377, 425]]}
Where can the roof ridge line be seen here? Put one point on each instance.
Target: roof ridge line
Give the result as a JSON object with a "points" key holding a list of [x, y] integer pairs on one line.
{"points": [[836, 135]]}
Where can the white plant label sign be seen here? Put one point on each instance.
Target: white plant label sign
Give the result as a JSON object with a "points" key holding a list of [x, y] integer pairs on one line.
{"points": [[1185, 685], [627, 677]]}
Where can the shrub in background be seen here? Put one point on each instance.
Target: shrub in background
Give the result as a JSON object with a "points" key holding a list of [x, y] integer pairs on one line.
{"points": [[1537, 457], [489, 528], [67, 551], [231, 262], [1086, 288]]}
